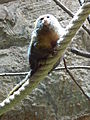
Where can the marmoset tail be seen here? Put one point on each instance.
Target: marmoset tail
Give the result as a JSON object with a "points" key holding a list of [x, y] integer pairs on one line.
{"points": [[44, 39]]}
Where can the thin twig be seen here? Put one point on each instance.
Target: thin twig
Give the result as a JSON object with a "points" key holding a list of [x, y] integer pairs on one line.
{"points": [[70, 13], [75, 80], [72, 67], [81, 53], [85, 28], [56, 69], [13, 74]]}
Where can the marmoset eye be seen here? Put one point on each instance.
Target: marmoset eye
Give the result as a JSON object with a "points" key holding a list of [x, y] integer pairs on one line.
{"points": [[47, 16], [42, 18]]}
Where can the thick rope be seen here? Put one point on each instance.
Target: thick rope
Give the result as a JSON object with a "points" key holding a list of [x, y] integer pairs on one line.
{"points": [[63, 43]]}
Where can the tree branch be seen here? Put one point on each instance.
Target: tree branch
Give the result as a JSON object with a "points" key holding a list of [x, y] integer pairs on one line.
{"points": [[5, 1], [70, 13], [80, 53], [73, 67], [56, 69], [75, 80], [86, 29], [13, 74]]}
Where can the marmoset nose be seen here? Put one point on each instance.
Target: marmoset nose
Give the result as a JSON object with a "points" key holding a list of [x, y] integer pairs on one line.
{"points": [[45, 22]]}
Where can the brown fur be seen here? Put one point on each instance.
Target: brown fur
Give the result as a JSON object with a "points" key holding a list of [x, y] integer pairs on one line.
{"points": [[47, 38]]}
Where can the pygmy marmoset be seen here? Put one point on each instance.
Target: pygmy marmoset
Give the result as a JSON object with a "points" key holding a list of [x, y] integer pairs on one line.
{"points": [[44, 39]]}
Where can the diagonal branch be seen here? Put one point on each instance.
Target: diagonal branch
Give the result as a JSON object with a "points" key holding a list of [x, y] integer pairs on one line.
{"points": [[75, 80], [70, 13], [80, 53], [85, 28]]}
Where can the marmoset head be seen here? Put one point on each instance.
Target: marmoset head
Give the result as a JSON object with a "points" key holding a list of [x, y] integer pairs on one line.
{"points": [[48, 21]]}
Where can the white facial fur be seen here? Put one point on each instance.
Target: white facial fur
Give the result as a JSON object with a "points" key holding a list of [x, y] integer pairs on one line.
{"points": [[52, 21]]}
